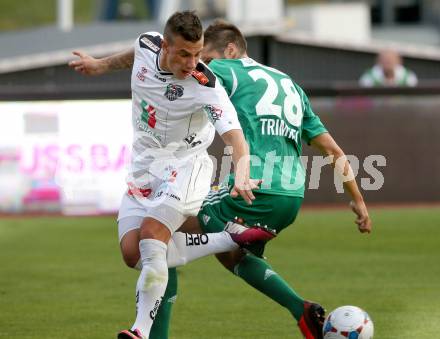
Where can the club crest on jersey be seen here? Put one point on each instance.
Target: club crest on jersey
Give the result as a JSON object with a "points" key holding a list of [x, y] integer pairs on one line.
{"points": [[173, 92], [214, 113]]}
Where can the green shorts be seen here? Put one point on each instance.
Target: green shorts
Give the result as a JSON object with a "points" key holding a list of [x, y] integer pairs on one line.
{"points": [[275, 211]]}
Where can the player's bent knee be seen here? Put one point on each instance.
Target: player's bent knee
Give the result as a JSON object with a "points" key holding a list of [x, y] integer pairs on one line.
{"points": [[131, 260], [130, 256], [230, 259], [130, 248], [154, 229], [191, 225]]}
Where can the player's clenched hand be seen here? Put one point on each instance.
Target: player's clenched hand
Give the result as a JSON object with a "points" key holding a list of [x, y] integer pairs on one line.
{"points": [[363, 219], [244, 188], [87, 65]]}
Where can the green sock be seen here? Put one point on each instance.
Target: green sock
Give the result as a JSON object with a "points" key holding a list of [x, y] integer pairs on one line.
{"points": [[259, 274], [161, 324]]}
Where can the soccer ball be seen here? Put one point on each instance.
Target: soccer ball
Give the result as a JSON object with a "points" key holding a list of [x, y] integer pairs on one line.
{"points": [[348, 322]]}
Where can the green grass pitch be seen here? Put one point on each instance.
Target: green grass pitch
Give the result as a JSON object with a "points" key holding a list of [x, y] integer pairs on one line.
{"points": [[63, 278]]}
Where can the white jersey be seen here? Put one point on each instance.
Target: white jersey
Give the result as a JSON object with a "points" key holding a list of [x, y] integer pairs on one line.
{"points": [[172, 116]]}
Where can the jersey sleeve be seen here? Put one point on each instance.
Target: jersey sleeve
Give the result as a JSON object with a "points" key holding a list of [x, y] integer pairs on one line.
{"points": [[312, 125], [224, 74], [148, 42], [220, 110]]}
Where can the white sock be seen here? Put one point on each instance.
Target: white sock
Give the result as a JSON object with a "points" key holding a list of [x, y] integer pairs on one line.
{"points": [[185, 247], [151, 284]]}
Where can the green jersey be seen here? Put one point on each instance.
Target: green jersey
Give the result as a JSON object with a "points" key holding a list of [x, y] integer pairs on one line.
{"points": [[275, 115]]}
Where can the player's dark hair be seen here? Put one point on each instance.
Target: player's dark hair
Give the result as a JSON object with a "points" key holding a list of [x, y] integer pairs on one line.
{"points": [[186, 24], [220, 33]]}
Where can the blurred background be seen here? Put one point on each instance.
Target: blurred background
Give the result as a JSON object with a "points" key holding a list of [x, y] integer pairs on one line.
{"points": [[65, 139]]}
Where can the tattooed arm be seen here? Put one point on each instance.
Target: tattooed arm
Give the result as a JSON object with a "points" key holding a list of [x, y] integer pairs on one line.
{"points": [[88, 65]]}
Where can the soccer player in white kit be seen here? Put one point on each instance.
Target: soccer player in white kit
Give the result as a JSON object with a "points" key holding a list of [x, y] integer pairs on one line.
{"points": [[177, 105]]}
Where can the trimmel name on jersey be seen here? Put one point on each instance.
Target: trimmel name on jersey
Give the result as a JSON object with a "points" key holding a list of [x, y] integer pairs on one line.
{"points": [[278, 127]]}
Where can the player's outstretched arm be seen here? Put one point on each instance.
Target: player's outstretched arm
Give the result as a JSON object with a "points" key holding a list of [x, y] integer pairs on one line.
{"points": [[240, 156], [88, 65], [328, 146]]}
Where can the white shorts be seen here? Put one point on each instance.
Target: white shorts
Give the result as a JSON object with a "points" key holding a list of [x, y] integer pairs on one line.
{"points": [[170, 199]]}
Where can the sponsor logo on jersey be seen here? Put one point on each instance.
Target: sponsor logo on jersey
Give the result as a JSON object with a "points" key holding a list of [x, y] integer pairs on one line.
{"points": [[200, 77], [268, 273], [158, 194], [214, 113], [153, 312], [158, 77], [173, 196], [148, 114], [173, 92], [150, 44], [170, 195], [142, 125], [278, 127]]}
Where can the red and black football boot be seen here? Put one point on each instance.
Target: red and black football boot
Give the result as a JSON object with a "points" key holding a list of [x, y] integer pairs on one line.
{"points": [[312, 320], [245, 235], [129, 334]]}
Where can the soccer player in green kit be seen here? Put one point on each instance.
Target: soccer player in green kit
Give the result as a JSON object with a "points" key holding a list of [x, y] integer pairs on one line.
{"points": [[275, 115]]}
